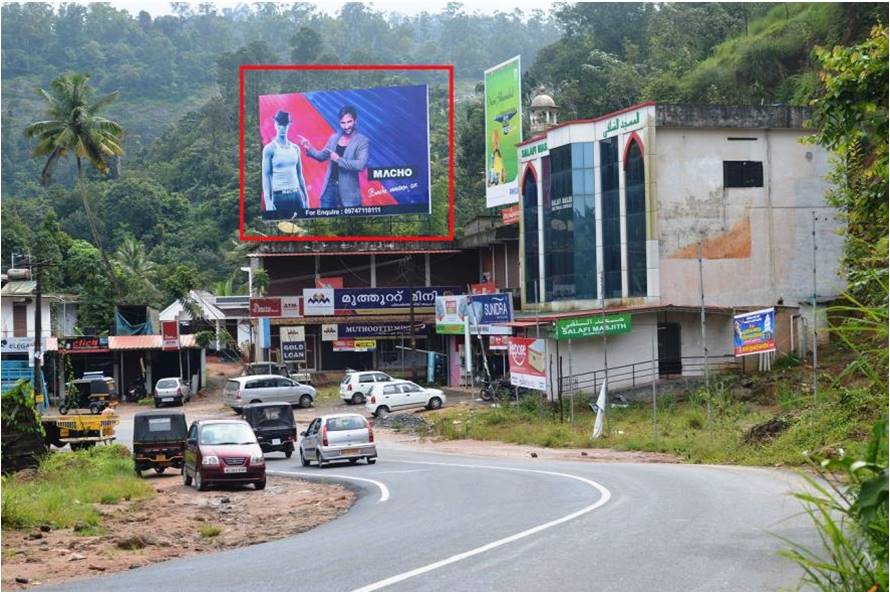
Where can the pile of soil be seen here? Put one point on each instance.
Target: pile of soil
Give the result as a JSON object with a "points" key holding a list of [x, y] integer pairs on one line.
{"points": [[169, 526]]}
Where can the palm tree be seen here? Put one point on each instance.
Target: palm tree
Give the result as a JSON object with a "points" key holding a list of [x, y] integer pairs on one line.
{"points": [[73, 125], [133, 259]]}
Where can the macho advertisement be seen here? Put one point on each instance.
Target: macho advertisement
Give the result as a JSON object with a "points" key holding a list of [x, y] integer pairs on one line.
{"points": [[357, 152], [503, 130]]}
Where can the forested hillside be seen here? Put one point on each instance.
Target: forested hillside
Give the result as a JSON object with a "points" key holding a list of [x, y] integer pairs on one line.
{"points": [[167, 213]]}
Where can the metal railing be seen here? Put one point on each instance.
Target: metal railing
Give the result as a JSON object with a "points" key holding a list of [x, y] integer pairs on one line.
{"points": [[640, 373]]}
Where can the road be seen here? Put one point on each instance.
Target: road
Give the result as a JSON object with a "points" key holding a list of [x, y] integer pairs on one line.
{"points": [[428, 521]]}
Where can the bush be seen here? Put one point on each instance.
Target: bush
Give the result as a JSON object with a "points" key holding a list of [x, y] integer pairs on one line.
{"points": [[66, 486]]}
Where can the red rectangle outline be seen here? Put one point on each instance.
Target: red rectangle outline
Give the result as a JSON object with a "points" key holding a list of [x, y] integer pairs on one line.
{"points": [[241, 160]]}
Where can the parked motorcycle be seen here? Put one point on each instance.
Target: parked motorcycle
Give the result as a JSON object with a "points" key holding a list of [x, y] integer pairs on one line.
{"points": [[137, 390]]}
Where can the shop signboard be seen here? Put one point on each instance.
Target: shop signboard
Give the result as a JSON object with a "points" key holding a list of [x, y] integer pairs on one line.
{"points": [[588, 326], [361, 345], [87, 344], [293, 343], [170, 335], [754, 332], [528, 367], [510, 215], [483, 288], [291, 307], [265, 307], [382, 330], [329, 332], [344, 344], [372, 300], [20, 344], [498, 343], [450, 313]]}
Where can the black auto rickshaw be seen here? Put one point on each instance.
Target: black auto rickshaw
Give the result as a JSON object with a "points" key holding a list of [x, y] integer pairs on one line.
{"points": [[93, 393], [158, 440], [274, 426]]}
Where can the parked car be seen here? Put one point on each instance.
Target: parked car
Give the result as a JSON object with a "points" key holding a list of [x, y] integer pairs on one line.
{"points": [[338, 437], [356, 385], [250, 389], [290, 369], [397, 394], [274, 426], [223, 452], [158, 440], [171, 390]]}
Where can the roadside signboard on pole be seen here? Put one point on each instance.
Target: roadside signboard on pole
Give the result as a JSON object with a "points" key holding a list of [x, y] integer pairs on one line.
{"points": [[528, 367], [170, 335], [754, 332]]}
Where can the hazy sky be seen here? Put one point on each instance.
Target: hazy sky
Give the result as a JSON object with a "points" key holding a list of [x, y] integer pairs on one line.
{"points": [[333, 6]]}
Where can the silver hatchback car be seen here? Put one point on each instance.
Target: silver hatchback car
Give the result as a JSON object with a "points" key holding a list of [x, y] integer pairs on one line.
{"points": [[338, 437]]}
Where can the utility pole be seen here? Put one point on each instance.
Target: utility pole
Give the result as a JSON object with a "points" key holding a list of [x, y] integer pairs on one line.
{"points": [[815, 347], [654, 378], [704, 344], [38, 330]]}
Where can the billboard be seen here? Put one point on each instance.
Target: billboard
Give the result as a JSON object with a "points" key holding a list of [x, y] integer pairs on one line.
{"points": [[754, 332], [528, 368], [486, 314], [353, 152], [503, 130]]}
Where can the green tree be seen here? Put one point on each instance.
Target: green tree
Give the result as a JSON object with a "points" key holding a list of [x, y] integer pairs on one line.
{"points": [[74, 126]]}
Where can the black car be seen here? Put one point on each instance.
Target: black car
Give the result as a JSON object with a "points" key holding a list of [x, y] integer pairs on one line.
{"points": [[158, 440], [274, 426]]}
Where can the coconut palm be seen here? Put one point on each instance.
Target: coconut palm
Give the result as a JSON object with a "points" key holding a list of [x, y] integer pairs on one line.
{"points": [[74, 126]]}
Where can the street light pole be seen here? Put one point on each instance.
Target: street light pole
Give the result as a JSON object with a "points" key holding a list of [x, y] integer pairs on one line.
{"points": [[249, 272]]}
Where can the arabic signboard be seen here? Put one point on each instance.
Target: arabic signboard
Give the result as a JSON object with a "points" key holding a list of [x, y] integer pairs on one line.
{"points": [[328, 302], [88, 344], [503, 130], [265, 307], [533, 150], [593, 326], [623, 123], [528, 368], [754, 332]]}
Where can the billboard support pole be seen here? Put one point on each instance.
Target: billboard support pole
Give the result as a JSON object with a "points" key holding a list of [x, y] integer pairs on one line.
{"points": [[815, 347], [654, 379]]}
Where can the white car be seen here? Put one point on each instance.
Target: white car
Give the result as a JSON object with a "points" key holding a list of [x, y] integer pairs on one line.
{"points": [[356, 385], [398, 394], [251, 389], [171, 390]]}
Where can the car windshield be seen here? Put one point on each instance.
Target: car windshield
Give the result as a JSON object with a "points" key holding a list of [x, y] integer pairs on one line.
{"points": [[227, 434], [167, 383], [345, 423], [279, 415]]}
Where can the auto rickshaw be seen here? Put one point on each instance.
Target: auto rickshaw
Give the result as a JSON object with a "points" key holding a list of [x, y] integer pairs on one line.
{"points": [[93, 393], [158, 440], [274, 426]]}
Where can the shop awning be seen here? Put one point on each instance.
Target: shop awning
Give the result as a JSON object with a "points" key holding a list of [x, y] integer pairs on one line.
{"points": [[146, 342]]}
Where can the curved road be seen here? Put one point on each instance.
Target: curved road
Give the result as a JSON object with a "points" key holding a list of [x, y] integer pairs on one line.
{"points": [[427, 521]]}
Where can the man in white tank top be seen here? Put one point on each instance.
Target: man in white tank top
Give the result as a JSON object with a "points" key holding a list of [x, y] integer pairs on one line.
{"points": [[284, 189]]}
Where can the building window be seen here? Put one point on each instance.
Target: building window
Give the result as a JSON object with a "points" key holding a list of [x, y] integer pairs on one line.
{"points": [[742, 174], [635, 208], [19, 319], [530, 230], [611, 216], [584, 241], [559, 228]]}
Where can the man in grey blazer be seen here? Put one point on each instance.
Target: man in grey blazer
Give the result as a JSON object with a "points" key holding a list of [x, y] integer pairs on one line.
{"points": [[347, 151]]}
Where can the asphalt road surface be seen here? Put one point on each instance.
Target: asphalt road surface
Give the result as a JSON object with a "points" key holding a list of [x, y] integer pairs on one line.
{"points": [[434, 522]]}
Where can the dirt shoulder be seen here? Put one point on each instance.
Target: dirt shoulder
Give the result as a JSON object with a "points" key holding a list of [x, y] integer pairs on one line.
{"points": [[169, 526], [475, 447]]}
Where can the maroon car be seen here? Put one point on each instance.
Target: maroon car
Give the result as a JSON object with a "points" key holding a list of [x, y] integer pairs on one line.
{"points": [[223, 452]]}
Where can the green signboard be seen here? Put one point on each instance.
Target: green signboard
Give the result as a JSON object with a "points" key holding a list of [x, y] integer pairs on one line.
{"points": [[503, 131], [592, 326]]}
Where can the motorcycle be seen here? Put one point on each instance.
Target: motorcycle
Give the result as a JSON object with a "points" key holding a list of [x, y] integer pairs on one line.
{"points": [[137, 390]]}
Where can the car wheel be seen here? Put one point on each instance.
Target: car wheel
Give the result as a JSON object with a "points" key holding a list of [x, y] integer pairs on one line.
{"points": [[358, 398], [288, 451], [260, 485], [237, 410], [159, 470], [63, 409], [372, 460], [138, 470], [353, 460], [157, 404], [319, 459], [305, 401], [186, 479], [381, 410], [200, 485], [303, 459], [434, 403], [255, 401]]}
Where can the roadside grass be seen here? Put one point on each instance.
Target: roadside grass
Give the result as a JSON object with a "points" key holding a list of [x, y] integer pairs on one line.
{"points": [[209, 531], [327, 395], [63, 490], [147, 401], [841, 418]]}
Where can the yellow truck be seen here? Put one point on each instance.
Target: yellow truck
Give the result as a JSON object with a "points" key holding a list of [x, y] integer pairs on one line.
{"points": [[80, 430]]}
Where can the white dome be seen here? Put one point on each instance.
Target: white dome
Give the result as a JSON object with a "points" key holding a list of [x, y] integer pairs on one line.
{"points": [[543, 100]]}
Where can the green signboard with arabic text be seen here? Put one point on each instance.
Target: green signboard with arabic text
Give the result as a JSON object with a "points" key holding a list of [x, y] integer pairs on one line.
{"points": [[592, 326]]}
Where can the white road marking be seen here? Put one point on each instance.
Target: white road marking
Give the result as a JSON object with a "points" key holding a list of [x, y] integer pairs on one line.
{"points": [[384, 490], [605, 495]]}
